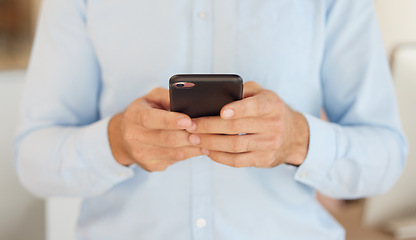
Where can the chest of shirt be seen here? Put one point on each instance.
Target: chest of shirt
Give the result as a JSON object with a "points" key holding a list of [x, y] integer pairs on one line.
{"points": [[140, 44]]}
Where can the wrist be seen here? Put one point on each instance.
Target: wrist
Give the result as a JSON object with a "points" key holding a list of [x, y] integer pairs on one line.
{"points": [[300, 139], [115, 138]]}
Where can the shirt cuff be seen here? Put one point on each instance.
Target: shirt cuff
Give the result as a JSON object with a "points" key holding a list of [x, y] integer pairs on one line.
{"points": [[321, 154], [98, 157]]}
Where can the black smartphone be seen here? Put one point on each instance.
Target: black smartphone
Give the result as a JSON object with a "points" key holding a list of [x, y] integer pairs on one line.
{"points": [[200, 95]]}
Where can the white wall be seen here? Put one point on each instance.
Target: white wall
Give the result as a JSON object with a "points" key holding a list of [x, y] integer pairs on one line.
{"points": [[398, 21], [21, 215]]}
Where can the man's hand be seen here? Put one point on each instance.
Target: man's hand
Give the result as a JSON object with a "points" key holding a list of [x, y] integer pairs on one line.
{"points": [[270, 132], [149, 135]]}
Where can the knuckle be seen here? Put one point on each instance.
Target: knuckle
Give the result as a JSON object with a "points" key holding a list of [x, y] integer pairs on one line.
{"points": [[129, 113], [237, 126], [275, 124], [169, 139], [159, 89], [274, 142], [156, 167], [235, 161], [208, 143], [239, 144], [178, 154], [235, 145], [252, 144], [257, 164], [249, 83], [146, 167], [233, 164], [272, 100], [155, 91], [139, 155], [270, 95], [166, 121], [203, 126], [160, 167], [269, 155], [129, 136], [239, 164], [271, 159], [241, 106], [259, 106], [280, 105], [145, 118]]}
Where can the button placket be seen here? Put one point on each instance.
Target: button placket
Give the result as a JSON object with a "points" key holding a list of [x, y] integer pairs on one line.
{"points": [[201, 168], [202, 15], [202, 37], [201, 222]]}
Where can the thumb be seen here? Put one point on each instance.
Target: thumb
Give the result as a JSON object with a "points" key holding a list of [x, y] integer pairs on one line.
{"points": [[251, 88], [159, 98]]}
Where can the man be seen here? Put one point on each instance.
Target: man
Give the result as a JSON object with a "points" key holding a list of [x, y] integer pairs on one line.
{"points": [[95, 121]]}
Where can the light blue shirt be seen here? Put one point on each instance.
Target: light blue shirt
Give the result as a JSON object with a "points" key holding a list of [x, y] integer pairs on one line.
{"points": [[92, 58]]}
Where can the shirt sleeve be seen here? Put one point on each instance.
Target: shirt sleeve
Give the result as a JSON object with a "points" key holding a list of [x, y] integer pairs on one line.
{"points": [[62, 147], [361, 151]]}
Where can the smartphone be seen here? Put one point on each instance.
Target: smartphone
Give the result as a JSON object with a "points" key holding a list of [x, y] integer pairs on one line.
{"points": [[200, 95]]}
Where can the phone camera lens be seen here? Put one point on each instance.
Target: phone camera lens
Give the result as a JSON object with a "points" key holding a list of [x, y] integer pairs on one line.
{"points": [[180, 85]]}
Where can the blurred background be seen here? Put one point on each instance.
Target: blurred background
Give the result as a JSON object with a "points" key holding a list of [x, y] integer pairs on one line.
{"points": [[23, 217]]}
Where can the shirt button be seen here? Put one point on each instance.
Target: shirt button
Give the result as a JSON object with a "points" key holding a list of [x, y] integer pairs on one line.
{"points": [[303, 175], [202, 15], [122, 174], [201, 222]]}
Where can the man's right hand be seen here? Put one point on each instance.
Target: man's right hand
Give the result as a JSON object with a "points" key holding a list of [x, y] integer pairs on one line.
{"points": [[148, 134]]}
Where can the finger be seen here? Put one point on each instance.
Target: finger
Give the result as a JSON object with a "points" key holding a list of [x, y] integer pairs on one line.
{"points": [[236, 160], [231, 143], [177, 154], [251, 88], [159, 158], [165, 138], [160, 97], [217, 125], [162, 119], [266, 102]]}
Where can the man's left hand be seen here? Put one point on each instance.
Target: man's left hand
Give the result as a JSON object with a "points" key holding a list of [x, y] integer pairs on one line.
{"points": [[258, 131]]}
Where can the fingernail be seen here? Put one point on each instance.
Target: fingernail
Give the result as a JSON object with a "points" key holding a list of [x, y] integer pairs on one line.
{"points": [[192, 127], [184, 122], [227, 113], [194, 139], [205, 151]]}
